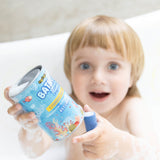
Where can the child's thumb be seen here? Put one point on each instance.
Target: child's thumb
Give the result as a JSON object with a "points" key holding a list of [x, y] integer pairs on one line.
{"points": [[6, 95], [87, 108]]}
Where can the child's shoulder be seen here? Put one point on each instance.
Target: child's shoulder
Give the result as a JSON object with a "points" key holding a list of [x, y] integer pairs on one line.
{"points": [[138, 117], [133, 106], [136, 109], [125, 112], [133, 103]]}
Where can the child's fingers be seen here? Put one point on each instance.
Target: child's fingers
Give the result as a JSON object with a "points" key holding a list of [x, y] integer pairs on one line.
{"points": [[87, 137], [6, 95], [28, 120], [30, 124], [88, 109], [91, 135], [89, 155], [25, 117], [89, 147], [14, 109]]}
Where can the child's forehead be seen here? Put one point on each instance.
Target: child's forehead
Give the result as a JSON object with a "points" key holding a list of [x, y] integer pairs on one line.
{"points": [[89, 52], [118, 41]]}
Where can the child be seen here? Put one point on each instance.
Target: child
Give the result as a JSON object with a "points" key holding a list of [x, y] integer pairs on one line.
{"points": [[103, 62]]}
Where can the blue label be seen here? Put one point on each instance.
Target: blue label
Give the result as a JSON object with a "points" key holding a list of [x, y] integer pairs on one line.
{"points": [[58, 114]]}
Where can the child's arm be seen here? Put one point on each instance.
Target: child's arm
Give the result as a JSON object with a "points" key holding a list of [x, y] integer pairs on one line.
{"points": [[34, 142], [33, 139], [106, 141]]}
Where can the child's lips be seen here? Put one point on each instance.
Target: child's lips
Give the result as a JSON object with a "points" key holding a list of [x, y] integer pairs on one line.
{"points": [[99, 96]]}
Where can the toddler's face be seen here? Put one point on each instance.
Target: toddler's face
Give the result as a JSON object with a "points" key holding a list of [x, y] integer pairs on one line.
{"points": [[100, 78]]}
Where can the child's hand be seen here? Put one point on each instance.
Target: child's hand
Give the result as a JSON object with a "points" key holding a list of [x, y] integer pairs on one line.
{"points": [[27, 120], [101, 142]]}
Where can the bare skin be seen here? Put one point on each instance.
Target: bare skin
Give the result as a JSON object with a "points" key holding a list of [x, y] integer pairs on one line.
{"points": [[29, 127], [110, 141], [103, 142]]}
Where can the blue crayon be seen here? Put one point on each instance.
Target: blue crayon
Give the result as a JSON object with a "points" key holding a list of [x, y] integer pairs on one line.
{"points": [[90, 120]]}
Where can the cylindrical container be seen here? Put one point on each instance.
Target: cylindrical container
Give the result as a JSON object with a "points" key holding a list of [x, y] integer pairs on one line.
{"points": [[59, 115], [90, 120]]}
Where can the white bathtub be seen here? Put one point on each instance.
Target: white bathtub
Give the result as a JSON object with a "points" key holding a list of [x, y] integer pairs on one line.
{"points": [[16, 58]]}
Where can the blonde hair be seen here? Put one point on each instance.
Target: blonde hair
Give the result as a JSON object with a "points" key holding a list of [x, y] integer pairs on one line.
{"points": [[107, 32]]}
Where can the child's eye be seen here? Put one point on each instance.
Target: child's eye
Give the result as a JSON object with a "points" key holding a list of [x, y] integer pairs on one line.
{"points": [[113, 66], [84, 66]]}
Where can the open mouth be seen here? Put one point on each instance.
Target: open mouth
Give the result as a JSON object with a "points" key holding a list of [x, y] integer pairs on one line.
{"points": [[99, 94]]}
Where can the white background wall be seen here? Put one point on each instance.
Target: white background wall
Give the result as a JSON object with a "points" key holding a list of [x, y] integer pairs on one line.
{"points": [[21, 19]]}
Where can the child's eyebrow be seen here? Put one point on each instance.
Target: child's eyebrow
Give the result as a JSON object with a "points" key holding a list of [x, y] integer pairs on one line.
{"points": [[79, 58]]}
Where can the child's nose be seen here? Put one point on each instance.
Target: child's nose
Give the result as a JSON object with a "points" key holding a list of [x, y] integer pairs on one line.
{"points": [[98, 78]]}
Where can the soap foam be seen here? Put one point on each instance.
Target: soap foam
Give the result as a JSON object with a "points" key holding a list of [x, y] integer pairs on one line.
{"points": [[35, 136], [29, 152], [142, 150], [15, 90], [23, 83]]}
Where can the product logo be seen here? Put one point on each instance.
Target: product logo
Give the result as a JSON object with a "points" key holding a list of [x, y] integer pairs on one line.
{"points": [[42, 78], [45, 89]]}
